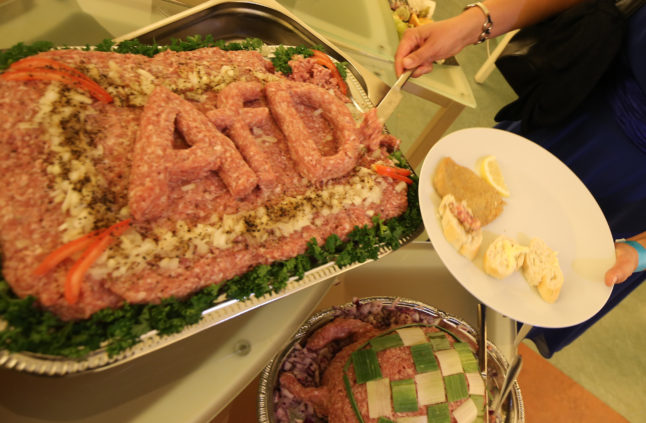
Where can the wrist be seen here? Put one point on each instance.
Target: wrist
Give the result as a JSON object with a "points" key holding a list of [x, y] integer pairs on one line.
{"points": [[641, 253], [480, 20]]}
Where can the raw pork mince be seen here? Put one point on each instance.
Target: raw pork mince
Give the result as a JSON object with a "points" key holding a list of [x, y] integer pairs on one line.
{"points": [[67, 168]]}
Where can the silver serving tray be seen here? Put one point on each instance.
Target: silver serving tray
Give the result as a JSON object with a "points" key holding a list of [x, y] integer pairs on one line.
{"points": [[229, 21], [513, 409]]}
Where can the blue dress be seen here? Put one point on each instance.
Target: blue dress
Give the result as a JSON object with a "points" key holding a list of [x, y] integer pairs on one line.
{"points": [[605, 145]]}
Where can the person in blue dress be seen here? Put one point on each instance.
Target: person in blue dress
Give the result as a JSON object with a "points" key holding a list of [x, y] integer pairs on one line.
{"points": [[603, 141]]}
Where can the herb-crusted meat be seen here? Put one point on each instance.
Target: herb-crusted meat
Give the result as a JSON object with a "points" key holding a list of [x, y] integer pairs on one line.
{"points": [[199, 151]]}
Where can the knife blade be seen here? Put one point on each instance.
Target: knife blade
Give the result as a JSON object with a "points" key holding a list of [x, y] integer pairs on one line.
{"points": [[389, 103], [449, 61]]}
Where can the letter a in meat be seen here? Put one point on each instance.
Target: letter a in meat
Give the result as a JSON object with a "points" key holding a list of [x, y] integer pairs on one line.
{"points": [[156, 164]]}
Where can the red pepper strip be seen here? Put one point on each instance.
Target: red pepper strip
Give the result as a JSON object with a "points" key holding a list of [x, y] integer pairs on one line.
{"points": [[392, 173], [47, 74], [399, 170], [33, 62], [77, 273], [65, 251], [324, 60]]}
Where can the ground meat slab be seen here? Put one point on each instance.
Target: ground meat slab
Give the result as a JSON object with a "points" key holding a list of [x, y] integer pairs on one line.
{"points": [[221, 163]]}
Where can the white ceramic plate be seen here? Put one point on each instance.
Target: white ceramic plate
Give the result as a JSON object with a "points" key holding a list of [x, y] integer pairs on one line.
{"points": [[547, 201]]}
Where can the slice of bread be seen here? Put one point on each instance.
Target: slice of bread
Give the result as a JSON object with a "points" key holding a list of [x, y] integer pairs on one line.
{"points": [[465, 185], [503, 257], [542, 270], [460, 227]]}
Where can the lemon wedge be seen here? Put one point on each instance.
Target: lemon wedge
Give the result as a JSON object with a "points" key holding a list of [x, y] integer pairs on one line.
{"points": [[490, 172]]}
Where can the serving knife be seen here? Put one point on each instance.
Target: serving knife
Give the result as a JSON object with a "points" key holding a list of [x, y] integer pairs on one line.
{"points": [[482, 350], [389, 103]]}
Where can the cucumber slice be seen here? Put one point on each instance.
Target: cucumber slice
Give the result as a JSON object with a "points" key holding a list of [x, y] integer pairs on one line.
{"points": [[392, 340], [476, 383], [438, 413], [379, 398], [466, 412], [423, 358], [456, 387], [366, 365], [404, 395], [430, 388], [412, 335], [449, 361]]}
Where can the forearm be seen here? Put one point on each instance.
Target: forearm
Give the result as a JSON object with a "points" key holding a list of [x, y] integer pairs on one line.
{"points": [[508, 15], [421, 46]]}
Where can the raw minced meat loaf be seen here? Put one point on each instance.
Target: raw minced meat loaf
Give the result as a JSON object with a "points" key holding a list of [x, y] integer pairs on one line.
{"points": [[221, 163]]}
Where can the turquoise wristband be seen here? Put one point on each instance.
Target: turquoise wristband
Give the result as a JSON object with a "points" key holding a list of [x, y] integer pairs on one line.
{"points": [[641, 254]]}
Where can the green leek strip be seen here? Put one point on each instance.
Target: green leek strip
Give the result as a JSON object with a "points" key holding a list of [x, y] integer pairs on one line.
{"points": [[439, 341], [384, 420], [366, 365], [466, 412], [378, 392], [412, 419], [449, 361], [423, 358], [404, 395], [456, 387], [438, 413], [467, 357], [346, 379], [476, 383], [478, 400], [392, 340], [412, 335], [430, 388]]}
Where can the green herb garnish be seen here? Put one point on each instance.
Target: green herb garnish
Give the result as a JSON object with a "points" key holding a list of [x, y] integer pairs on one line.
{"points": [[282, 56], [20, 50]]}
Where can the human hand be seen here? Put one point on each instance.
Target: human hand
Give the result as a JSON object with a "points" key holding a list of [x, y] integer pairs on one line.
{"points": [[425, 44], [627, 260]]}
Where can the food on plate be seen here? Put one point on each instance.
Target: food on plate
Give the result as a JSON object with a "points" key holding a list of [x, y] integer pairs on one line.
{"points": [[411, 13], [490, 172], [380, 363], [541, 269], [503, 257], [459, 226], [210, 163], [465, 185]]}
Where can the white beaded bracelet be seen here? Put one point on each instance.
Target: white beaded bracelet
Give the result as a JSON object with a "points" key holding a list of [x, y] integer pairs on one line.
{"points": [[488, 23]]}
